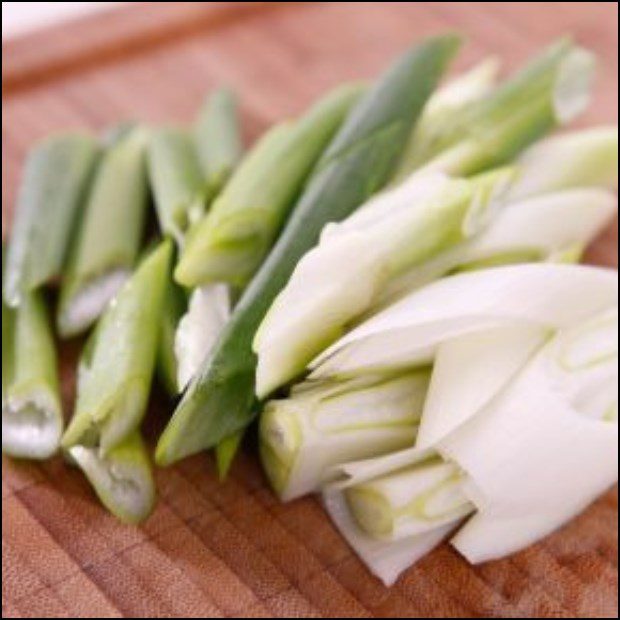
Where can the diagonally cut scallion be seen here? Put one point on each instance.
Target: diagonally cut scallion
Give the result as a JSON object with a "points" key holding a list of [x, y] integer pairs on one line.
{"points": [[218, 139], [52, 192], [122, 478], [551, 90], [108, 242], [177, 183], [117, 367], [448, 102], [584, 158], [409, 332], [357, 164], [324, 424], [409, 502], [554, 227], [232, 241], [338, 281], [32, 418]]}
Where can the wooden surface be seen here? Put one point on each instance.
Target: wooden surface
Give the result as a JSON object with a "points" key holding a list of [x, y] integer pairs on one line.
{"points": [[232, 550]]}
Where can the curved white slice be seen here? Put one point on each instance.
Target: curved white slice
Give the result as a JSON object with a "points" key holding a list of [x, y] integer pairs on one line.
{"points": [[198, 331], [386, 560], [357, 472], [585, 158], [336, 282], [535, 229], [410, 331], [470, 371], [536, 457]]}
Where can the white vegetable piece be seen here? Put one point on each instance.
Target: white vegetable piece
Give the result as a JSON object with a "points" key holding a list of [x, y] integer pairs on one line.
{"points": [[533, 455], [386, 560], [321, 426], [198, 331], [459, 388], [584, 158], [410, 332], [361, 255], [543, 452]]}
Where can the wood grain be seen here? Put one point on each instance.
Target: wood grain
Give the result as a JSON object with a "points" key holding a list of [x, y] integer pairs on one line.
{"points": [[232, 550]]}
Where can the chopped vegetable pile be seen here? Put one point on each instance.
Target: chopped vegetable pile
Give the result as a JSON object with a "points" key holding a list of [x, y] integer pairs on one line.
{"points": [[388, 284]]}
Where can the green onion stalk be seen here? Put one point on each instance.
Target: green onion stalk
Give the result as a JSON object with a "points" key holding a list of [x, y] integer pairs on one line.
{"points": [[178, 185], [357, 163], [218, 139], [338, 281], [411, 501], [232, 241], [458, 95], [57, 175], [110, 234], [122, 478], [114, 384], [116, 370], [550, 91], [229, 245], [32, 418], [323, 424]]}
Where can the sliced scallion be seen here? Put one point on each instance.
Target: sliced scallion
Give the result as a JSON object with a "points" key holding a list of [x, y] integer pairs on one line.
{"points": [[51, 195], [111, 230]]}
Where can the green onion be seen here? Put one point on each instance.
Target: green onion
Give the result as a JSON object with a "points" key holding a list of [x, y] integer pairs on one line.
{"points": [[218, 139], [448, 102], [175, 305], [338, 281], [32, 419], [110, 234], [178, 186], [552, 90], [232, 241], [324, 424], [225, 453], [55, 180], [409, 502], [117, 367], [122, 478], [357, 164]]}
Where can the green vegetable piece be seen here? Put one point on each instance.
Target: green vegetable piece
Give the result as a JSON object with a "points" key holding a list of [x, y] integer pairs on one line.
{"points": [[178, 186], [225, 453], [32, 419], [175, 305], [122, 479], [57, 174], [218, 139], [357, 164], [110, 234], [117, 367], [551, 90], [230, 244]]}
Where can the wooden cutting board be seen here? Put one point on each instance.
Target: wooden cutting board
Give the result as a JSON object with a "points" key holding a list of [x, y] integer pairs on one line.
{"points": [[232, 550]]}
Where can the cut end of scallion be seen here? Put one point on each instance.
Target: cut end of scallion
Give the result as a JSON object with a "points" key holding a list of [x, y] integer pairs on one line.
{"points": [[31, 427], [573, 85], [122, 479], [82, 310]]}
